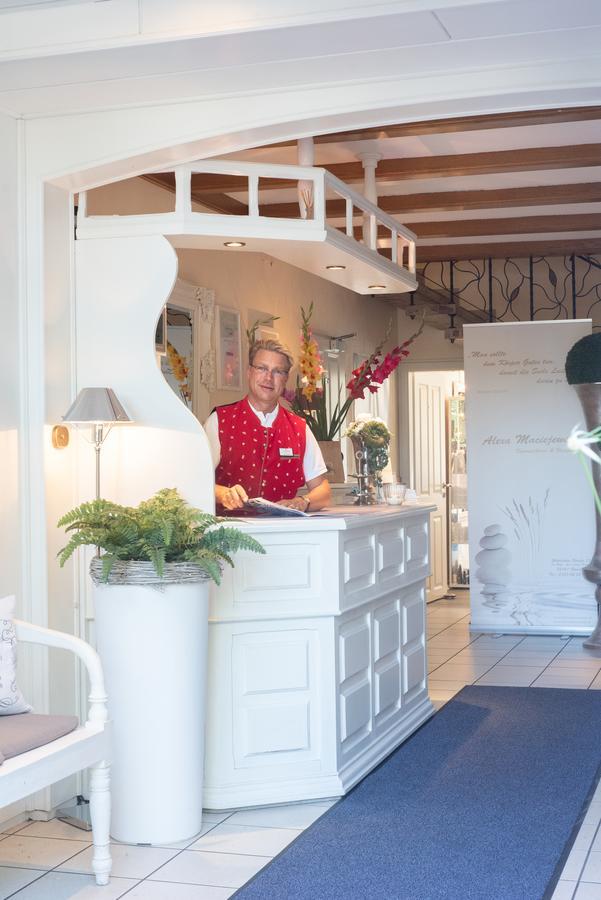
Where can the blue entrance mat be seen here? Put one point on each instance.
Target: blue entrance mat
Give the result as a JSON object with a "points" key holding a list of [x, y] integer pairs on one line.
{"points": [[482, 803]]}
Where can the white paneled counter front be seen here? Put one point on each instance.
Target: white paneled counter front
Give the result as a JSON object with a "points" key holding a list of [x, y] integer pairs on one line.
{"points": [[317, 655]]}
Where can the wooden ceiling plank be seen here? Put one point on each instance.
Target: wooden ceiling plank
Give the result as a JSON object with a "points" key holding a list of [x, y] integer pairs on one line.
{"points": [[507, 225], [529, 159], [485, 122], [452, 201], [510, 249]]}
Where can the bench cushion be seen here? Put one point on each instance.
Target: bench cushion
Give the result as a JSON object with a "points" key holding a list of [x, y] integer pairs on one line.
{"points": [[24, 732]]}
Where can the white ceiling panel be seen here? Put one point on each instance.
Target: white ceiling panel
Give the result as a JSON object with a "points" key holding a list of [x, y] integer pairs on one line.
{"points": [[20, 5], [28, 31], [211, 16], [516, 212], [492, 181], [223, 51], [519, 17], [441, 61]]}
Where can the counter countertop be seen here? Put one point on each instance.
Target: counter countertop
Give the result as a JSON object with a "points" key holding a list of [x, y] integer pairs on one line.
{"points": [[334, 518]]}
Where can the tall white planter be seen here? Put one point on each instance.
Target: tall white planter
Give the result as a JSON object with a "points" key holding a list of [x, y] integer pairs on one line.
{"points": [[153, 646]]}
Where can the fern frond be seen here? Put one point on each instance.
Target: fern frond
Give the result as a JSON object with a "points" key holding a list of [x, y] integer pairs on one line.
{"points": [[162, 529], [108, 561]]}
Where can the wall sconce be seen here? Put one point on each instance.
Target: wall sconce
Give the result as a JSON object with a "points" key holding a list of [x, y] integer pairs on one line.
{"points": [[98, 407], [335, 347], [60, 437]]}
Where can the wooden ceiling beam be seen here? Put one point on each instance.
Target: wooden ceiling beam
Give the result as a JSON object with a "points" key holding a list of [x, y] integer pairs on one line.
{"points": [[529, 159], [449, 201], [506, 250], [507, 225], [524, 118]]}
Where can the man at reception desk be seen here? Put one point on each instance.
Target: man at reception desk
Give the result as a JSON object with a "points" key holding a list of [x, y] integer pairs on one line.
{"points": [[260, 448]]}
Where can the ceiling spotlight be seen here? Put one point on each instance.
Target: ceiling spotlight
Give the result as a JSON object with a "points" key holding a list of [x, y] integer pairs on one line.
{"points": [[376, 287], [335, 268], [234, 244]]}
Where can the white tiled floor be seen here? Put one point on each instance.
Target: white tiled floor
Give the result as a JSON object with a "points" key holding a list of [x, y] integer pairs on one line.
{"points": [[51, 861]]}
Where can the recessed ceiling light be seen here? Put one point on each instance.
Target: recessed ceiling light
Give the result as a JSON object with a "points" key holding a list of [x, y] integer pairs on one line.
{"points": [[234, 244], [376, 287], [335, 268]]}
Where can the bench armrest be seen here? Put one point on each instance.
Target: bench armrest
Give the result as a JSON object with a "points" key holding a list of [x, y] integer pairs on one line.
{"points": [[35, 634]]}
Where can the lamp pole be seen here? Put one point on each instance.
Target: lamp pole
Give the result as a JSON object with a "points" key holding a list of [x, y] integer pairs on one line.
{"points": [[99, 437]]}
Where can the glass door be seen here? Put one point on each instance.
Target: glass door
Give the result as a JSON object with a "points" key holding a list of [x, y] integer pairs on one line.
{"points": [[459, 572]]}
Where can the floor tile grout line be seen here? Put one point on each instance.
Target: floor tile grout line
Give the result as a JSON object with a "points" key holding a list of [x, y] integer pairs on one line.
{"points": [[18, 891], [586, 858], [53, 869], [226, 887], [42, 837], [23, 825], [496, 663]]}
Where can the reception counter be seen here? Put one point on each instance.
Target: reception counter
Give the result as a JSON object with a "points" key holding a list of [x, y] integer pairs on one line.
{"points": [[317, 655]]}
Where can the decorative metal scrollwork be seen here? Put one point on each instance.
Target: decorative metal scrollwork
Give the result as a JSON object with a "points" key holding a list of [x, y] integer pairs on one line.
{"points": [[525, 289]]}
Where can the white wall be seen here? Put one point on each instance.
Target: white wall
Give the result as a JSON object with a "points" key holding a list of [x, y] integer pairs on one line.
{"points": [[10, 361], [121, 287]]}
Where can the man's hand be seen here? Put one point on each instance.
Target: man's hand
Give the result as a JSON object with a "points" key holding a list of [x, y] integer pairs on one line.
{"points": [[232, 498], [301, 503]]}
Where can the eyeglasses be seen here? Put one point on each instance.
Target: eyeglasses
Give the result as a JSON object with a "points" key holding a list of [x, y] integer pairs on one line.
{"points": [[265, 370]]}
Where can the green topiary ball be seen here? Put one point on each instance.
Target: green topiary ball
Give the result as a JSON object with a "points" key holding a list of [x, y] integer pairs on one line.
{"points": [[583, 362]]}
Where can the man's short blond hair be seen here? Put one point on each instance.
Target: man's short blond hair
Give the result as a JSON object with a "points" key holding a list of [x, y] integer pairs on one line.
{"points": [[272, 347]]}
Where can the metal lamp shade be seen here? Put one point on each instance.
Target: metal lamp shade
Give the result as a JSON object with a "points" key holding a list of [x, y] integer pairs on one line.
{"points": [[96, 405]]}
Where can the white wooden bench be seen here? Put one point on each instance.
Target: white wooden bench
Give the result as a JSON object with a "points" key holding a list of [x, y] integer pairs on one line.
{"points": [[87, 746]]}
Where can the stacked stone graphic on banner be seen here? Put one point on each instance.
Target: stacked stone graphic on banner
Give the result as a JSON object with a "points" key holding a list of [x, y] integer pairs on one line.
{"points": [[493, 565]]}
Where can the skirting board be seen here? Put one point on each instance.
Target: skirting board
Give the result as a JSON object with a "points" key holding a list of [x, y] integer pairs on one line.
{"points": [[373, 755], [531, 630]]}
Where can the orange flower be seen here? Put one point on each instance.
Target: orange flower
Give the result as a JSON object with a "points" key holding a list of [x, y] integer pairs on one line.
{"points": [[310, 361], [180, 369]]}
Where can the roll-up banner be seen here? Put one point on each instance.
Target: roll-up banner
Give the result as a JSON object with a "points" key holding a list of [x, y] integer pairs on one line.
{"points": [[531, 512]]}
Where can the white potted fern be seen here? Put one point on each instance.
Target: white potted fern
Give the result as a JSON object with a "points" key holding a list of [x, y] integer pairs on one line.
{"points": [[151, 615]]}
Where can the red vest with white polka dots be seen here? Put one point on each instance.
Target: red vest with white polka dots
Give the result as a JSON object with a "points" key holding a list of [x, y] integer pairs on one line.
{"points": [[267, 462]]}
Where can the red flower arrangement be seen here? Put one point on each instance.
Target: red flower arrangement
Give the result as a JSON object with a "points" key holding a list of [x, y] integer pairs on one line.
{"points": [[374, 371], [367, 377]]}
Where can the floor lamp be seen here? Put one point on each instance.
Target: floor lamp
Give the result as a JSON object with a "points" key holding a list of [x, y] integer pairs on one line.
{"points": [[100, 408]]}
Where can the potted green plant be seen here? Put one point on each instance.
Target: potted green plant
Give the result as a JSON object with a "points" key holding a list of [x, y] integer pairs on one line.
{"points": [[151, 595], [163, 540]]}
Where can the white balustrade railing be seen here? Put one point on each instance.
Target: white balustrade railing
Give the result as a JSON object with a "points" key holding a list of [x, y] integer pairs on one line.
{"points": [[186, 217]]}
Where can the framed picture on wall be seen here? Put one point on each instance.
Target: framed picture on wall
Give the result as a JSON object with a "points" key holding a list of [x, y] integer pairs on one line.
{"points": [[267, 333], [229, 349]]}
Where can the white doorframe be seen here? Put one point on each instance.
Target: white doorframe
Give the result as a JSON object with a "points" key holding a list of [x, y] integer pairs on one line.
{"points": [[407, 466], [405, 443]]}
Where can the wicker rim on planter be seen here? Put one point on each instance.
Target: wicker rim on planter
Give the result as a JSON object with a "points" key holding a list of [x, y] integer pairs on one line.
{"points": [[144, 573]]}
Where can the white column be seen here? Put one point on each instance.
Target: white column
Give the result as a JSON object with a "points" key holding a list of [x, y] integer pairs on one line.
{"points": [[370, 190], [306, 157]]}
